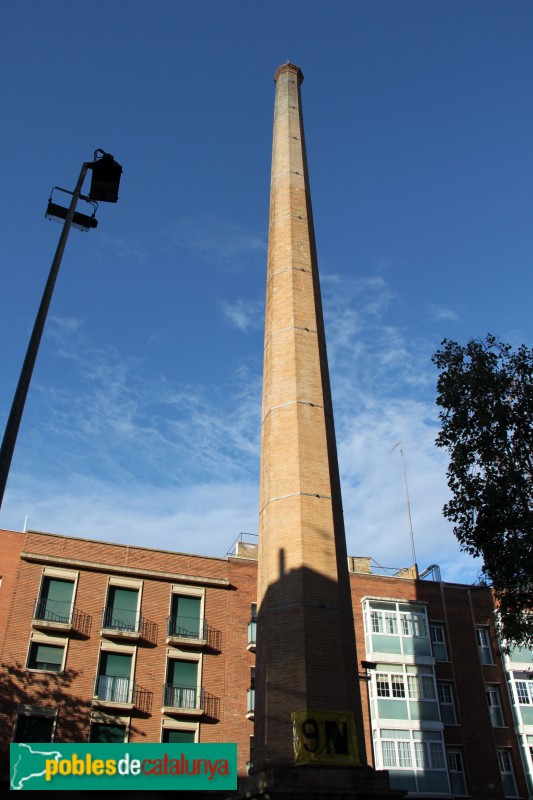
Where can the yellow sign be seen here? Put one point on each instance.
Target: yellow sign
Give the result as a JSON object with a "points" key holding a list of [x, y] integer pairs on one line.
{"points": [[324, 737]]}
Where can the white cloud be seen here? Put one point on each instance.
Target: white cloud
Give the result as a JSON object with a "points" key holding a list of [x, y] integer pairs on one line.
{"points": [[443, 314], [243, 314], [136, 459], [217, 241]]}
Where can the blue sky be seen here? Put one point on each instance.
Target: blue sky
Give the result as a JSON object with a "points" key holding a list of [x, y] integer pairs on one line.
{"points": [[142, 422]]}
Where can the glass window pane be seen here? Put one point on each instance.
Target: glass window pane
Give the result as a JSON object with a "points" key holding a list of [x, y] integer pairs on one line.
{"points": [[382, 684], [34, 729], [107, 734], [121, 611], [183, 673], [186, 615], [389, 754], [46, 657], [178, 737], [55, 600], [116, 665]]}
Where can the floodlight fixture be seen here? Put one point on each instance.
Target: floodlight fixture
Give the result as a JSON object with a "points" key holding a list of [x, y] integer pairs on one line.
{"points": [[105, 178], [57, 213]]}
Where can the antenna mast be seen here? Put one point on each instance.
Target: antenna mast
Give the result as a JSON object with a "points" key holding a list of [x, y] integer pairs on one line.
{"points": [[399, 444]]}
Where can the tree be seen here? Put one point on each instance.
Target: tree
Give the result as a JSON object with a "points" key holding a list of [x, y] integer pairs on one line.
{"points": [[485, 391]]}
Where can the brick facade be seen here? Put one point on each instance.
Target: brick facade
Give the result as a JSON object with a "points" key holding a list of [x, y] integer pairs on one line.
{"points": [[230, 589]]}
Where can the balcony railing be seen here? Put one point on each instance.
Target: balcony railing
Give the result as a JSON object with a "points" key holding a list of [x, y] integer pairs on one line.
{"points": [[191, 701], [250, 703], [121, 620], [252, 632], [55, 611], [111, 689], [186, 627], [183, 697]]}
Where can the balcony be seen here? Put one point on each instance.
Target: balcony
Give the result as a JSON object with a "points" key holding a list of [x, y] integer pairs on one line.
{"points": [[113, 691], [189, 701], [250, 703], [55, 614], [60, 615], [187, 630], [121, 623], [183, 700], [252, 629], [120, 693]]}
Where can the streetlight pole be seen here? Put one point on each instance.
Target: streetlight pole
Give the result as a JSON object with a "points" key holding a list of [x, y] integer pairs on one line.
{"points": [[19, 400]]}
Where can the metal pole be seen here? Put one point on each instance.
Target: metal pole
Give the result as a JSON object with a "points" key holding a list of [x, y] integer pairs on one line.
{"points": [[15, 416]]}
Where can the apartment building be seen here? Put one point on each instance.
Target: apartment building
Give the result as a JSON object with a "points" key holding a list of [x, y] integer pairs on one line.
{"points": [[104, 642]]}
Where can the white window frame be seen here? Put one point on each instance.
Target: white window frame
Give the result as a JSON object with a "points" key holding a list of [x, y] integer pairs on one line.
{"points": [[421, 751], [397, 621], [525, 693]]}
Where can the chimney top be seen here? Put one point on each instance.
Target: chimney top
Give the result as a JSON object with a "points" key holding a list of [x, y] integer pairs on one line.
{"points": [[288, 67]]}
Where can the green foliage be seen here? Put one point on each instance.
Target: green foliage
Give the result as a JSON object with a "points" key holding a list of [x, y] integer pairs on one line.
{"points": [[485, 391]]}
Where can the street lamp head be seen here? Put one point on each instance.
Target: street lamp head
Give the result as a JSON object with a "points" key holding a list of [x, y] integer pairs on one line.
{"points": [[105, 178]]}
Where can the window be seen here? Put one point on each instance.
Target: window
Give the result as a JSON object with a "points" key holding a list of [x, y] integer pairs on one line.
{"points": [[121, 611], [483, 646], [181, 689], [413, 624], [456, 771], [429, 755], [106, 733], [114, 683], [178, 736], [250, 696], [252, 627], [377, 621], [55, 600], [185, 617], [524, 692], [396, 627], [175, 732], [35, 724], [47, 653], [391, 623], [447, 705], [438, 642], [495, 707], [421, 687], [45, 657], [506, 772], [420, 750]]}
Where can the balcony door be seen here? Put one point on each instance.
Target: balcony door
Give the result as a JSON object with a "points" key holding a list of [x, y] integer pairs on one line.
{"points": [[121, 610], [114, 679], [55, 602], [182, 683], [185, 616]]}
